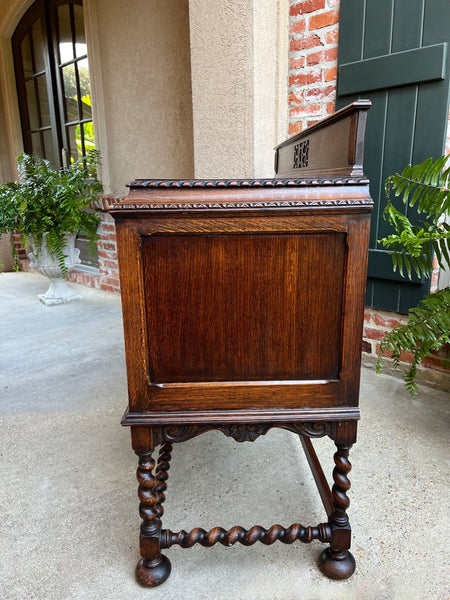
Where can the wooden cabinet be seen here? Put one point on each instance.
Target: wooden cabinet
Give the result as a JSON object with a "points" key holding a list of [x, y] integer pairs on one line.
{"points": [[243, 307]]}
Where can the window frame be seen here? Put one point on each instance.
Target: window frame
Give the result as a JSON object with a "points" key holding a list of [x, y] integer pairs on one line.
{"points": [[36, 11], [47, 12]]}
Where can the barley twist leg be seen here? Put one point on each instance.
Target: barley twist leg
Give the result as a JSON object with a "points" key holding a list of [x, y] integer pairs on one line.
{"points": [[154, 568], [336, 562]]}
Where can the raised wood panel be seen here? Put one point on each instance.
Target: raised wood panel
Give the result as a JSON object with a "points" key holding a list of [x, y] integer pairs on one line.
{"points": [[239, 308]]}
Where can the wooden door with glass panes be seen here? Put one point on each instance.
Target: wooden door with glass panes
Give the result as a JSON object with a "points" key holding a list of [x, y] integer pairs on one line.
{"points": [[53, 88]]}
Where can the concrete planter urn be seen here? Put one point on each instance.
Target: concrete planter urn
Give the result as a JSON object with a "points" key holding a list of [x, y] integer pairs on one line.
{"points": [[47, 264], [47, 206]]}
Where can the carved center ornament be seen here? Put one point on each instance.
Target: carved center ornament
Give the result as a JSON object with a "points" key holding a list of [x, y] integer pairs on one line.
{"points": [[243, 432]]}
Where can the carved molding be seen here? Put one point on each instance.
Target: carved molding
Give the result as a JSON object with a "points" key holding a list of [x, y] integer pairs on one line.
{"points": [[181, 433], [310, 429], [149, 206], [243, 432], [244, 183], [128, 204]]}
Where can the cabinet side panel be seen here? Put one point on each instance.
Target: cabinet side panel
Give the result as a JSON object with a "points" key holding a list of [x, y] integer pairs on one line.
{"points": [[243, 307]]}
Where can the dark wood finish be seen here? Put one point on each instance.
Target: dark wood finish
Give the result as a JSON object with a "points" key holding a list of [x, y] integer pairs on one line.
{"points": [[318, 474], [335, 146], [294, 334], [154, 568], [324, 218], [336, 562], [246, 537], [275, 415], [243, 309], [240, 432]]}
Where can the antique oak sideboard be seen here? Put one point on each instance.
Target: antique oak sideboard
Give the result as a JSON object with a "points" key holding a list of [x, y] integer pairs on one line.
{"points": [[242, 310]]}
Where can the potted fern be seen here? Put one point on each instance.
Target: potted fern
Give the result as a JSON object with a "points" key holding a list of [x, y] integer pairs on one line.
{"points": [[427, 187], [48, 206]]}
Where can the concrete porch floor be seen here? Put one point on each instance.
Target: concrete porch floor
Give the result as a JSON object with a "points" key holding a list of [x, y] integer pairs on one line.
{"points": [[69, 521]]}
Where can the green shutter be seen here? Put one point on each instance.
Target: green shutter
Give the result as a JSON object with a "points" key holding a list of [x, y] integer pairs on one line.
{"points": [[395, 52]]}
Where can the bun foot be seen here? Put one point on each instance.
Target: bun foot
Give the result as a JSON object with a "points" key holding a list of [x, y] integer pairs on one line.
{"points": [[336, 565], [151, 574]]}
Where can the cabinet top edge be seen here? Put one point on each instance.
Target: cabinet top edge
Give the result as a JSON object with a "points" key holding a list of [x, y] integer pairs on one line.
{"points": [[247, 183]]}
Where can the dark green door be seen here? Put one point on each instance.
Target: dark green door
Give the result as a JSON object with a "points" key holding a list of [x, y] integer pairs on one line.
{"points": [[395, 53]]}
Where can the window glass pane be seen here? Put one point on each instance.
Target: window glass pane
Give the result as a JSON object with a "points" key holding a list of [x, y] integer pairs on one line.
{"points": [[74, 137], [85, 88], [25, 50], [49, 151], [89, 142], [38, 47], [43, 100], [36, 143], [70, 93], [31, 104], [80, 36], [65, 34]]}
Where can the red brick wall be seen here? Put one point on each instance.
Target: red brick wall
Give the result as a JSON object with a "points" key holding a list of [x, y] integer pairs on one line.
{"points": [[379, 322], [20, 252], [313, 46], [107, 249]]}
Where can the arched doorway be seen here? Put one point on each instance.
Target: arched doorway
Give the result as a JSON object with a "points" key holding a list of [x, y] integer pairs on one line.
{"points": [[53, 88], [52, 77]]}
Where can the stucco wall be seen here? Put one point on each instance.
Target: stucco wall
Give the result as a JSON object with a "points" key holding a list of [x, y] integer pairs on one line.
{"points": [[222, 87], [153, 117], [270, 59], [239, 85], [11, 12], [143, 62], [5, 170], [140, 74], [10, 133]]}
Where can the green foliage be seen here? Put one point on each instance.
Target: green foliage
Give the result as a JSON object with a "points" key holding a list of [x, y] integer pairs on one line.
{"points": [[425, 186], [52, 201], [70, 84], [427, 330]]}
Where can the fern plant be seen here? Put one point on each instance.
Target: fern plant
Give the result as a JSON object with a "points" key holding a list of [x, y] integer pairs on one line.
{"points": [[425, 186], [52, 202]]}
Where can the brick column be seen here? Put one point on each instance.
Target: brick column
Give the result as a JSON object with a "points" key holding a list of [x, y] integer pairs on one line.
{"points": [[107, 250], [313, 48]]}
